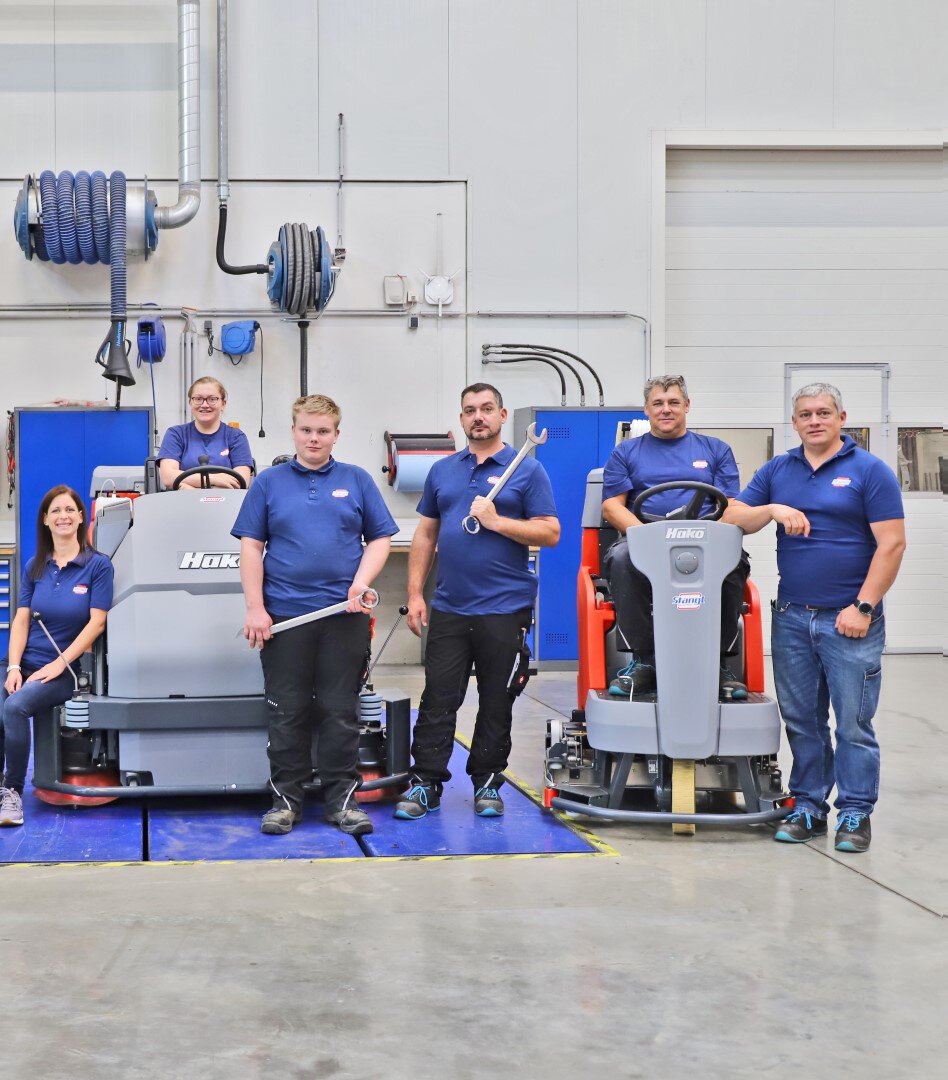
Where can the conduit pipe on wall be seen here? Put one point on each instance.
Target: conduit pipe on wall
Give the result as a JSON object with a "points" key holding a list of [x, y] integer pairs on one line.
{"points": [[189, 119]]}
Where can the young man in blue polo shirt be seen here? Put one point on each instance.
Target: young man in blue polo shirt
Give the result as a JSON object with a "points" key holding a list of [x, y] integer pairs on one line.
{"points": [[667, 452], [840, 539], [301, 528], [483, 600]]}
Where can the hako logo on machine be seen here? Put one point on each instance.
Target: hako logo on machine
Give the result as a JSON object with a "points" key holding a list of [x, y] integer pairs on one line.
{"points": [[678, 533], [209, 560]]}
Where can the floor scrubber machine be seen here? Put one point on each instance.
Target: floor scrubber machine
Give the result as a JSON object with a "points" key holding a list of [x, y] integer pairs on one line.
{"points": [[176, 704], [680, 755]]}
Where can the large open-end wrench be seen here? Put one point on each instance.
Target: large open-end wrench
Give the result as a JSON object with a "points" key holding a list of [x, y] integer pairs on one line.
{"points": [[370, 599], [470, 524]]}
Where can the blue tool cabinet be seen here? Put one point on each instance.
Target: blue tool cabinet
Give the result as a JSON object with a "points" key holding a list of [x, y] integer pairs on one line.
{"points": [[7, 596], [578, 440], [62, 446]]}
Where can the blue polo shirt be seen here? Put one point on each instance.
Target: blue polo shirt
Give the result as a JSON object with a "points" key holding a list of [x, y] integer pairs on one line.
{"points": [[486, 574], [645, 462], [64, 597], [840, 499], [228, 446], [313, 522]]}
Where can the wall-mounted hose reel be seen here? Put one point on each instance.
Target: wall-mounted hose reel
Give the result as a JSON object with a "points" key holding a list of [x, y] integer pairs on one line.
{"points": [[87, 218]]}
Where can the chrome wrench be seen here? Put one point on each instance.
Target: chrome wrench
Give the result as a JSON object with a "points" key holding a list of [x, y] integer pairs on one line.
{"points": [[470, 524]]}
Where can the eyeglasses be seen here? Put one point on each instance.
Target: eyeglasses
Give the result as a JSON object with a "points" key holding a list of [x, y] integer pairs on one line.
{"points": [[205, 400]]}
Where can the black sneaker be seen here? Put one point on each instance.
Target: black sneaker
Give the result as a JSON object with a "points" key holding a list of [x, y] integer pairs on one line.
{"points": [[636, 678], [730, 687], [420, 799], [799, 827], [279, 821], [488, 803], [351, 820], [853, 831]]}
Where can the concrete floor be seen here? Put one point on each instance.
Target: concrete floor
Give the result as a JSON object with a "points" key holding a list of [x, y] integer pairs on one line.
{"points": [[722, 955]]}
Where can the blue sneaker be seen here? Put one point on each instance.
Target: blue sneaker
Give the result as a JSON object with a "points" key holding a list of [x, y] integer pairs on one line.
{"points": [[488, 803], [420, 799], [636, 678], [853, 832], [799, 827]]}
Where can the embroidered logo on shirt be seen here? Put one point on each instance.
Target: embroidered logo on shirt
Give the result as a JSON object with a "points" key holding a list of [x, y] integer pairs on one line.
{"points": [[81, 590], [340, 493], [700, 464], [225, 452], [492, 479], [688, 601], [842, 481]]}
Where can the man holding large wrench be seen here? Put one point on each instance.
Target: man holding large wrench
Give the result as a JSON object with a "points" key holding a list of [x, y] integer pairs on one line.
{"points": [[301, 529], [483, 599]]}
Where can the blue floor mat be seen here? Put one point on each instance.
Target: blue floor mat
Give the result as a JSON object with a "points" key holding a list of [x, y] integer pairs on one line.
{"points": [[214, 831], [58, 834], [455, 829]]}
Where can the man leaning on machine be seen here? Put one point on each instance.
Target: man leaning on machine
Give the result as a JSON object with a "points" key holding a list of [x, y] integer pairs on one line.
{"points": [[667, 452], [840, 540]]}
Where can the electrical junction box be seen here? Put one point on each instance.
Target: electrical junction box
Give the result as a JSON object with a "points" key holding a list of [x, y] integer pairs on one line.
{"points": [[395, 290]]}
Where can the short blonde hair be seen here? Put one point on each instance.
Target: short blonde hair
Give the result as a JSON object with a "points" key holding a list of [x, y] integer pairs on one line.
{"points": [[210, 379], [317, 403]]}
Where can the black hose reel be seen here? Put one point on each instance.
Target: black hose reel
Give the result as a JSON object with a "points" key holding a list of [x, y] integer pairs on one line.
{"points": [[301, 277]]}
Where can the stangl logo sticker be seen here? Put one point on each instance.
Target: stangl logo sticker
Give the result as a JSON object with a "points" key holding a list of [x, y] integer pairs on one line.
{"points": [[209, 560], [688, 601], [679, 533]]}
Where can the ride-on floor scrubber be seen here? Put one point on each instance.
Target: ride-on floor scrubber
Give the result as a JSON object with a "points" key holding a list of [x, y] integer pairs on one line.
{"points": [[679, 755], [176, 705]]}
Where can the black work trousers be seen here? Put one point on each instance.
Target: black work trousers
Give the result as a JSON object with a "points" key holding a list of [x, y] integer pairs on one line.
{"points": [[312, 677], [632, 597], [493, 644]]}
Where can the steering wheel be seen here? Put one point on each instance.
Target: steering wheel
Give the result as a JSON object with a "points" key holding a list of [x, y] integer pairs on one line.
{"points": [[691, 512], [205, 472]]}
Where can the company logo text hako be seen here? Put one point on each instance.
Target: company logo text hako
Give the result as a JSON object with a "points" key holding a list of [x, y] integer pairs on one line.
{"points": [[678, 533], [210, 560]]}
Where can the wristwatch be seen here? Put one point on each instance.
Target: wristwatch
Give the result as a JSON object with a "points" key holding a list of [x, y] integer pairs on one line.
{"points": [[864, 607]]}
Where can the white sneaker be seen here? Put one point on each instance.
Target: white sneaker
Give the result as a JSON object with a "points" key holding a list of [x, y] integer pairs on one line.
{"points": [[11, 808]]}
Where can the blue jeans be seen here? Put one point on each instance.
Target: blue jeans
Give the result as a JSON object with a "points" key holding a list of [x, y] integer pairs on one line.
{"points": [[816, 666], [15, 712]]}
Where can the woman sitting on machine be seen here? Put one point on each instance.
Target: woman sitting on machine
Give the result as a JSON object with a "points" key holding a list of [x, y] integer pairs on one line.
{"points": [[207, 437], [65, 593]]}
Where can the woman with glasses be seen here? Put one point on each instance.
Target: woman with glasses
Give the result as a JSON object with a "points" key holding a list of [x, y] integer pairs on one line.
{"points": [[69, 584], [205, 436]]}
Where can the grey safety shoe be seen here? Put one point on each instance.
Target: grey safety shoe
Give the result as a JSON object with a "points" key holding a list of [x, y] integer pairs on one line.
{"points": [[279, 821], [488, 803], [11, 807], [420, 800], [635, 678], [351, 820], [853, 833]]}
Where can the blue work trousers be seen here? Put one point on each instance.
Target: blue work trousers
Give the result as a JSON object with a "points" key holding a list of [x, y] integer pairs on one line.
{"points": [[814, 667], [15, 712]]}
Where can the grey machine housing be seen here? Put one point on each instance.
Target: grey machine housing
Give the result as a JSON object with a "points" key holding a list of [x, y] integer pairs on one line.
{"points": [[177, 703], [634, 741]]}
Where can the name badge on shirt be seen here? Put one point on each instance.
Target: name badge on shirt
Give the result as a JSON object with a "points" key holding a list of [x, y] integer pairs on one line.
{"points": [[340, 493], [81, 590], [700, 464]]}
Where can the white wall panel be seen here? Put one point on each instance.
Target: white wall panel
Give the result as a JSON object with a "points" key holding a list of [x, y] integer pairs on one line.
{"points": [[890, 69], [27, 102], [770, 65], [384, 64], [513, 133], [273, 58]]}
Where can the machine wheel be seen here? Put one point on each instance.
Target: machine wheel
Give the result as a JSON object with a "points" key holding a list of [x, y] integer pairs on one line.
{"points": [[99, 778], [683, 794]]}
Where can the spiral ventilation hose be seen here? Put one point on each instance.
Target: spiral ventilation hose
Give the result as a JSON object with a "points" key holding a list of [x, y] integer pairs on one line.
{"points": [[84, 221]]}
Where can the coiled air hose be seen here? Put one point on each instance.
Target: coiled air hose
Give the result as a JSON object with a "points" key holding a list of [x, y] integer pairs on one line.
{"points": [[84, 221]]}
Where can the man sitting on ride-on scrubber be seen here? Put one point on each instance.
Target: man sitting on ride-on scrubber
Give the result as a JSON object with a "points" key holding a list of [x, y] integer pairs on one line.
{"points": [[667, 452]]}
